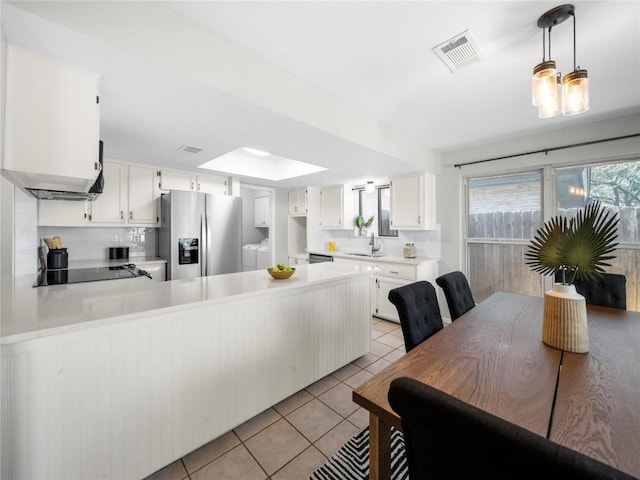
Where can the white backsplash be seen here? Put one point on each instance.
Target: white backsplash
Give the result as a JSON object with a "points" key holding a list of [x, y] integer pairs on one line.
{"points": [[25, 234], [84, 243], [427, 242]]}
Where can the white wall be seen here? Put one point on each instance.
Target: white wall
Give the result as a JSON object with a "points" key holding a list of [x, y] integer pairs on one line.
{"points": [[450, 193], [279, 241]]}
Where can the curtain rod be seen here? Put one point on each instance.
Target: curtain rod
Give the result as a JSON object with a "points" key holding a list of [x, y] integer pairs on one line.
{"points": [[547, 150]]}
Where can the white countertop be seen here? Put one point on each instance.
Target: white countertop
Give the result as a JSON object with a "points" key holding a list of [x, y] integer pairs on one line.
{"points": [[31, 312], [382, 258]]}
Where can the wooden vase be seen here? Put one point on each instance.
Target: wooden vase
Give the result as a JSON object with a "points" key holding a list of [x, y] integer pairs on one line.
{"points": [[564, 325]]}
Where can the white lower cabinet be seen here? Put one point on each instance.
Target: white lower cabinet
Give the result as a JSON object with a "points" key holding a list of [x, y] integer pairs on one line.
{"points": [[299, 259], [155, 269], [390, 275], [383, 307]]}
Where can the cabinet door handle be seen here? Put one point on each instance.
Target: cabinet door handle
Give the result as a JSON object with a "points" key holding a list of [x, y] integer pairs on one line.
{"points": [[121, 215], [394, 272], [419, 219], [130, 215]]}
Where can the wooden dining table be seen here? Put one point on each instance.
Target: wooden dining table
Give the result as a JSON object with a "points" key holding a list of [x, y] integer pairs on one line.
{"points": [[493, 358]]}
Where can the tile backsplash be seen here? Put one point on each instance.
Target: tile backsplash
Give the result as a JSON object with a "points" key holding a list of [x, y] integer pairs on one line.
{"points": [[93, 243], [427, 242], [25, 238]]}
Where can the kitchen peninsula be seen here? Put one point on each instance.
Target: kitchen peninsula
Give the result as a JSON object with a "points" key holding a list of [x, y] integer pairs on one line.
{"points": [[117, 379]]}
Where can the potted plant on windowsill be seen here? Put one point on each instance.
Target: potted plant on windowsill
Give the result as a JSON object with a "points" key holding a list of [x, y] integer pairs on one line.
{"points": [[362, 224], [576, 248]]}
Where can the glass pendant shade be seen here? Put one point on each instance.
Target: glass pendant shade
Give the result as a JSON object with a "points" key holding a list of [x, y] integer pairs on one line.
{"points": [[543, 83], [552, 106], [369, 187], [575, 92], [549, 94]]}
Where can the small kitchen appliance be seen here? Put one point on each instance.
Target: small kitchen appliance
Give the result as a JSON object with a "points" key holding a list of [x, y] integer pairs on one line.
{"points": [[116, 253]]}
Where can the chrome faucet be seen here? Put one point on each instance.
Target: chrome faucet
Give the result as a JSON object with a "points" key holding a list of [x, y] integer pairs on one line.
{"points": [[372, 242]]}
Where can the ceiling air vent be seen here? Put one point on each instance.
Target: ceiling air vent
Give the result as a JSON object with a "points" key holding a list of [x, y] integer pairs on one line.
{"points": [[189, 149], [458, 51]]}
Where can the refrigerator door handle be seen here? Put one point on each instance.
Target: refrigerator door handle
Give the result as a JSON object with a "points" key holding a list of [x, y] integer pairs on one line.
{"points": [[204, 248]]}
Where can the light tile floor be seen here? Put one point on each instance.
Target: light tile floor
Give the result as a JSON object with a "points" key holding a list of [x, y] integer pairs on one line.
{"points": [[293, 438]]}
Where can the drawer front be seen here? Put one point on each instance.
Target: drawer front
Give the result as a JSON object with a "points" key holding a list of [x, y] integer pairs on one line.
{"points": [[406, 272]]}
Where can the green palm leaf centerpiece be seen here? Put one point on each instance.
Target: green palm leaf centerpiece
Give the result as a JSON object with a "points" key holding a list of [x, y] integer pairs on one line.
{"points": [[579, 248]]}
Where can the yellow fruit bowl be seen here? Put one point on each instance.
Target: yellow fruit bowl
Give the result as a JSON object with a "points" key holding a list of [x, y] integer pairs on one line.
{"points": [[279, 275]]}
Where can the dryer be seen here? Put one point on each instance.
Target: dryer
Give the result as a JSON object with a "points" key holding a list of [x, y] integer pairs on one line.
{"points": [[263, 257], [249, 256]]}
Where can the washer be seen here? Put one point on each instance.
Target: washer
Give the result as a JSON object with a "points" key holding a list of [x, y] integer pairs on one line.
{"points": [[263, 259], [249, 256]]}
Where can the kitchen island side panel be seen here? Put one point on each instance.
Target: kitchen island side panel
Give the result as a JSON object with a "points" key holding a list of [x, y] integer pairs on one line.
{"points": [[124, 400]]}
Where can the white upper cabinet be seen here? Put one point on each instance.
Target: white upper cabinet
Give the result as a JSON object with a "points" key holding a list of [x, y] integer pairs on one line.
{"points": [[111, 204], [171, 180], [130, 197], [52, 123], [336, 207], [214, 185], [144, 195], [261, 211], [298, 202], [61, 213], [413, 202]]}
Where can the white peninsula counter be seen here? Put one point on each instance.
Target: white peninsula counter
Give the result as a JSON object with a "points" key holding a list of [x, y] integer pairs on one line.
{"points": [[118, 378]]}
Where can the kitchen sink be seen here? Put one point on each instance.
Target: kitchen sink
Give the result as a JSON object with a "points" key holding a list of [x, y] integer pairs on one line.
{"points": [[360, 254]]}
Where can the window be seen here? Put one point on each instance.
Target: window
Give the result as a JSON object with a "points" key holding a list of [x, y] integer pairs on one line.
{"points": [[504, 213], [376, 205], [617, 186], [507, 206]]}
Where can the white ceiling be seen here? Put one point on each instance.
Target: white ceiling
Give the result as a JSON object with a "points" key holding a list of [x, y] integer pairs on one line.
{"points": [[353, 86]]}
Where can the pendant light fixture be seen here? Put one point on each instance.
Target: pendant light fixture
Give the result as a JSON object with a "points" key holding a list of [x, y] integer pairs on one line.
{"points": [[369, 187], [551, 95]]}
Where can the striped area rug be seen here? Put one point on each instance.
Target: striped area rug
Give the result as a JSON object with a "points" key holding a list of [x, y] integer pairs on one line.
{"points": [[351, 462]]}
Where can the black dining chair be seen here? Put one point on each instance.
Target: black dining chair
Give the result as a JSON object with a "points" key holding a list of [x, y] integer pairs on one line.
{"points": [[419, 312], [446, 438], [606, 290], [457, 292]]}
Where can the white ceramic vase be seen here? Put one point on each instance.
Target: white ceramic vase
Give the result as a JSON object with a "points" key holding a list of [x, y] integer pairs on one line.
{"points": [[564, 325]]}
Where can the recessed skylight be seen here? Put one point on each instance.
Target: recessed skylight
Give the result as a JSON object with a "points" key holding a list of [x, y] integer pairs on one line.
{"points": [[257, 163], [255, 151]]}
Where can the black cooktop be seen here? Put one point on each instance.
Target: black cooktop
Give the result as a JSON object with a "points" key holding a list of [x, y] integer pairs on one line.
{"points": [[80, 275]]}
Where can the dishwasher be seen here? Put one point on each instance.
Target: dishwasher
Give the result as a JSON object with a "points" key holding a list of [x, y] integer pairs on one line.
{"points": [[319, 258]]}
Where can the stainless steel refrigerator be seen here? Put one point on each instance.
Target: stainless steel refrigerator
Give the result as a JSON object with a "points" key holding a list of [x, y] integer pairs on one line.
{"points": [[200, 234]]}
